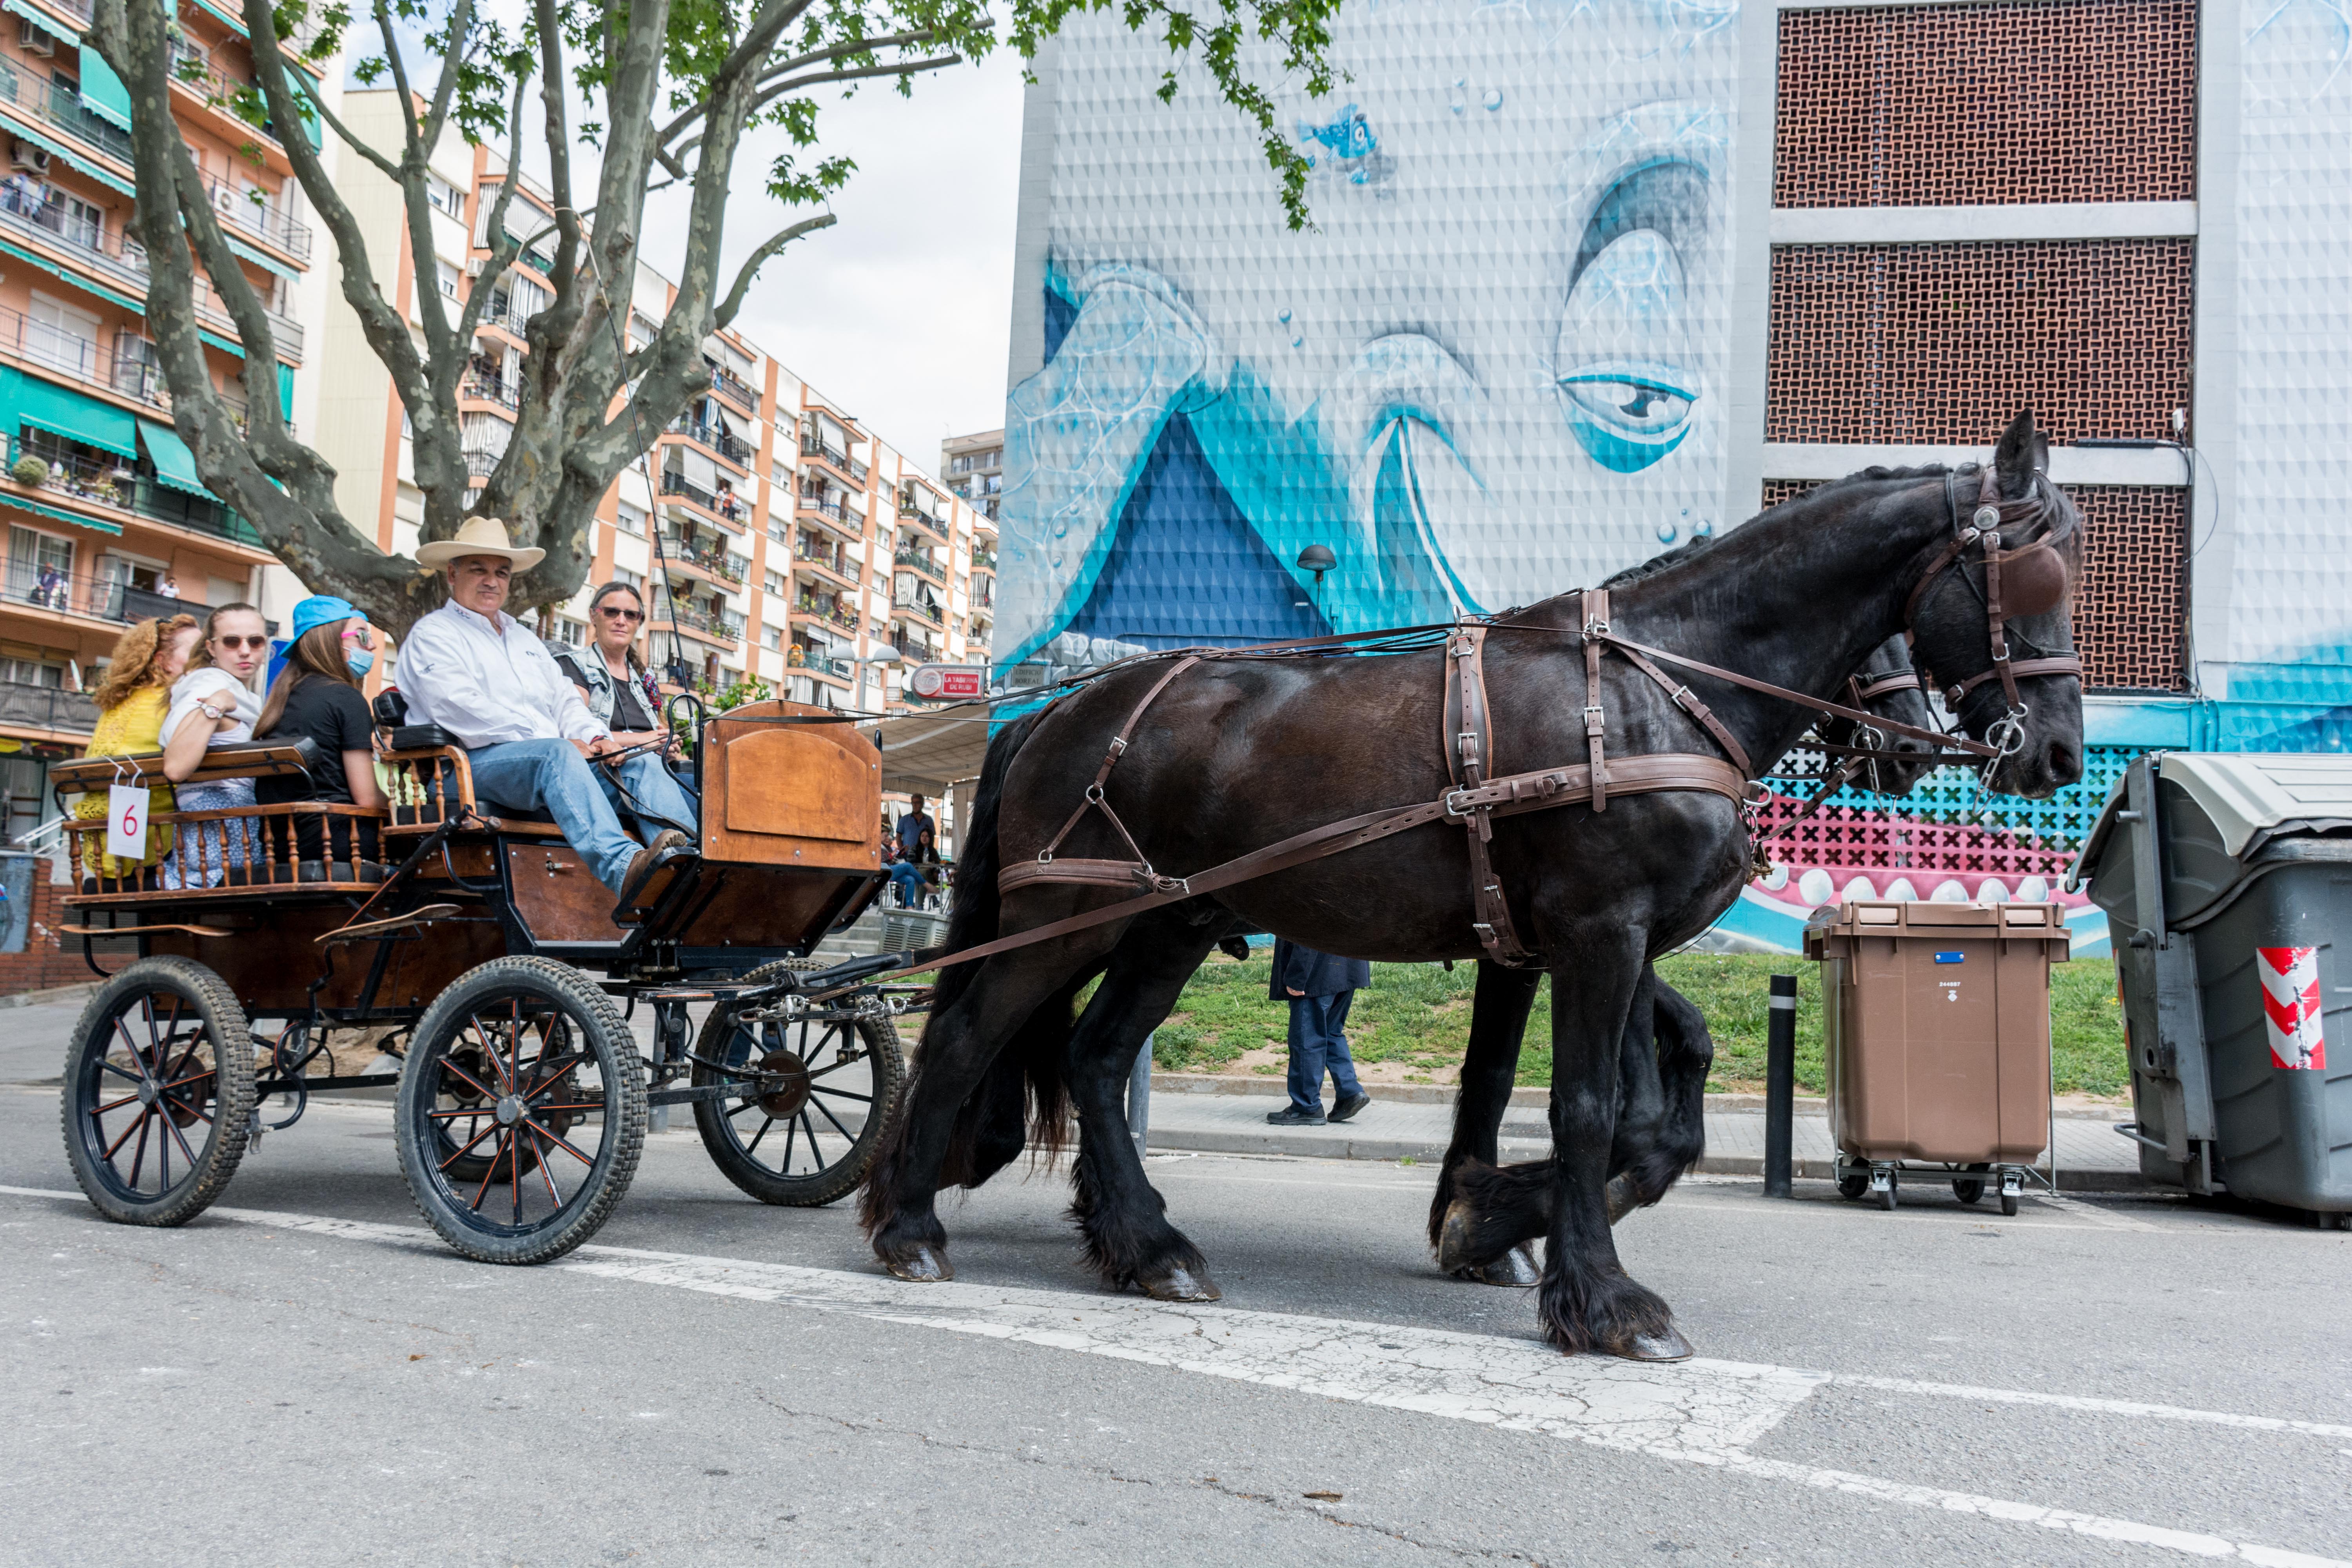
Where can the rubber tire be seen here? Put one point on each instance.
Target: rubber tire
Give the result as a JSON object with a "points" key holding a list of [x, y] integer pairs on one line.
{"points": [[2009, 1205], [1969, 1191], [1852, 1185], [836, 1181], [605, 1035], [232, 1039], [1886, 1200]]}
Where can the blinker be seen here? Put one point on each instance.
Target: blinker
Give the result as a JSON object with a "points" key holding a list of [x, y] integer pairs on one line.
{"points": [[2033, 581]]}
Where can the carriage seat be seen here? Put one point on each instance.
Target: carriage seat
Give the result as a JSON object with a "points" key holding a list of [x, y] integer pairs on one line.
{"points": [[392, 717]]}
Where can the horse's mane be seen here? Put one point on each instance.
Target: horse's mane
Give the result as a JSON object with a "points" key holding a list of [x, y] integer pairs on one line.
{"points": [[1660, 561]]}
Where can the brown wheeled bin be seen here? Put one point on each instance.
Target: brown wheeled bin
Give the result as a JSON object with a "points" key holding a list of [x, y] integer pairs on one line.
{"points": [[1936, 1034]]}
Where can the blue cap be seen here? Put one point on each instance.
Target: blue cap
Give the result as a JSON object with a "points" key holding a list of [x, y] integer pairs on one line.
{"points": [[317, 611]]}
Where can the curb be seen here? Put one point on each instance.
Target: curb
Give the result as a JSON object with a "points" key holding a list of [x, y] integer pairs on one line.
{"points": [[1522, 1099], [1299, 1145], [81, 992]]}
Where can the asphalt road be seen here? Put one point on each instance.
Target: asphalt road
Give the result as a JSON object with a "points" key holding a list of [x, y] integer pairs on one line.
{"points": [[304, 1375]]}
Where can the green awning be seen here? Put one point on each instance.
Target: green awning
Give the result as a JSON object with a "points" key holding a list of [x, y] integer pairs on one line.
{"points": [[286, 390], [46, 22], [226, 345], [174, 464], [56, 149], [266, 263], [55, 515], [223, 14], [103, 92], [77, 280], [45, 406]]}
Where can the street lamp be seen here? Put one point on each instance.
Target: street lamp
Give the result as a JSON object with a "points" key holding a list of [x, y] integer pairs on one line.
{"points": [[880, 659], [1318, 559]]}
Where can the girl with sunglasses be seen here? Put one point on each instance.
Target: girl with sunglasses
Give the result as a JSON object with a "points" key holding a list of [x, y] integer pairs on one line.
{"points": [[214, 704], [613, 680]]}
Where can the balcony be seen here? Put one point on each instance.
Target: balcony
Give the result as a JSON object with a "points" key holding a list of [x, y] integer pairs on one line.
{"points": [[983, 559], [100, 598], [490, 387], [800, 660], [733, 388], [719, 563], [538, 261], [123, 261], [829, 611], [842, 462], [732, 448], [685, 615], [834, 560], [481, 462], [821, 504], [984, 593], [46, 707], [239, 210], [915, 607], [113, 483], [62, 107], [725, 505], [920, 560], [936, 527]]}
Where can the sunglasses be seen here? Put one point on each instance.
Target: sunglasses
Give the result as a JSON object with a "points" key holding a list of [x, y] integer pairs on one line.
{"points": [[232, 645], [359, 635], [612, 615]]}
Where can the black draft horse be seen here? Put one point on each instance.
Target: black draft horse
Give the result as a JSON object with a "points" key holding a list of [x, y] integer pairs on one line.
{"points": [[1238, 753]]}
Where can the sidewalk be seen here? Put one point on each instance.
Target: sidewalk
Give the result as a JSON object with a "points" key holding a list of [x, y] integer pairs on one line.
{"points": [[1226, 1120]]}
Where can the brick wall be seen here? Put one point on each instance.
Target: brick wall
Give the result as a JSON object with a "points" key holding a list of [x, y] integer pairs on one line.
{"points": [[47, 960]]}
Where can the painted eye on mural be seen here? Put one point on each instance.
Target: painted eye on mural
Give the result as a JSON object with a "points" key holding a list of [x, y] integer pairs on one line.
{"points": [[1627, 414], [1625, 333]]}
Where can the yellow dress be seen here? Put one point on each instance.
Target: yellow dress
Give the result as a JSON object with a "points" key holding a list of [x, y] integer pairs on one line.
{"points": [[133, 725]]}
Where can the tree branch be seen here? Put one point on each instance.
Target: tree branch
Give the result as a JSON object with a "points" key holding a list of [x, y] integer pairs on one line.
{"points": [[799, 62], [760, 257], [820, 78]]}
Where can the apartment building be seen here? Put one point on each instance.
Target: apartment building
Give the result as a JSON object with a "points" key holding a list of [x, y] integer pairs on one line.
{"points": [[975, 466], [107, 521], [774, 537]]}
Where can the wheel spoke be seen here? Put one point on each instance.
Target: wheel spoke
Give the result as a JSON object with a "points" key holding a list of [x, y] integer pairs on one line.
{"points": [[138, 1155], [544, 1175], [837, 1067], [816, 1155], [514, 1168], [477, 1085], [173, 1128], [98, 1110], [461, 1154], [792, 1132], [763, 1133], [546, 1084], [490, 1049], [483, 1190], [844, 1094], [136, 1124], [846, 1135], [197, 1111], [117, 1072], [146, 1073], [562, 1142]]}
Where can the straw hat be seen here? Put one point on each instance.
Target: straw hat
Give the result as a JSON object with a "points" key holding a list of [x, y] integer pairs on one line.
{"points": [[479, 536]]}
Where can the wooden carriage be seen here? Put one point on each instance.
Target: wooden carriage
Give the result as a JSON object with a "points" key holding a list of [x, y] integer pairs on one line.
{"points": [[497, 974]]}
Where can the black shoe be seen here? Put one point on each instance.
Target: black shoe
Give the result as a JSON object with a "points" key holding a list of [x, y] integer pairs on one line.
{"points": [[1348, 1105], [1291, 1116]]}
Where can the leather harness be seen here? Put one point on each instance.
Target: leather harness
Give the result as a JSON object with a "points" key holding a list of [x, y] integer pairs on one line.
{"points": [[1476, 798]]}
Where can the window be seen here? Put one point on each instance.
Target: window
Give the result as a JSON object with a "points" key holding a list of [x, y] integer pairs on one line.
{"points": [[643, 330], [775, 583], [48, 676], [633, 579], [773, 637], [61, 337], [571, 633], [449, 273], [440, 194], [631, 519]]}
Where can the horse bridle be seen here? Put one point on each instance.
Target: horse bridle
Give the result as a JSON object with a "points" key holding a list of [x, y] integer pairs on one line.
{"points": [[2031, 580]]}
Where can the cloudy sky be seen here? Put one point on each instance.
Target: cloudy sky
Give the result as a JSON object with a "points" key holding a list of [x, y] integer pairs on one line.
{"points": [[900, 311]]}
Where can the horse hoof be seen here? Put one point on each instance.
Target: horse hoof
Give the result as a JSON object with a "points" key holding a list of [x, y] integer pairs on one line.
{"points": [[1180, 1284], [1515, 1268], [921, 1267], [1667, 1346], [1619, 1198], [1454, 1241]]}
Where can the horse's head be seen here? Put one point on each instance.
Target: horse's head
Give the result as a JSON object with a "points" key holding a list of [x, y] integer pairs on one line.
{"points": [[1991, 616], [1888, 686]]}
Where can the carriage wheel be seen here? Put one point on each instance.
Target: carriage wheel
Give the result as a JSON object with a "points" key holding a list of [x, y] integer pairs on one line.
{"points": [[806, 1134], [158, 1092], [524, 1164]]}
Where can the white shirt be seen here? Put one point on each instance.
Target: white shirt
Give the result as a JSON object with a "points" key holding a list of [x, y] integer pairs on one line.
{"points": [[217, 687], [485, 682]]}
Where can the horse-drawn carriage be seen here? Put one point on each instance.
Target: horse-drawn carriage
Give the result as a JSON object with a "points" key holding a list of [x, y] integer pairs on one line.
{"points": [[471, 939]]}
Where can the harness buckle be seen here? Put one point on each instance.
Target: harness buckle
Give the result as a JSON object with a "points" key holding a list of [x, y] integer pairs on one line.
{"points": [[1595, 628], [1987, 516], [1453, 802], [1594, 724]]}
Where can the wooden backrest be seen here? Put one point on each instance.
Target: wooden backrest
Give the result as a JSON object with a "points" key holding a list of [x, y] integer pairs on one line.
{"points": [[255, 760], [803, 794]]}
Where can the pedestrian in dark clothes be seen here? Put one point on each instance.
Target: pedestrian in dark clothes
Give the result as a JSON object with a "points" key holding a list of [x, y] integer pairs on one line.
{"points": [[1320, 989]]}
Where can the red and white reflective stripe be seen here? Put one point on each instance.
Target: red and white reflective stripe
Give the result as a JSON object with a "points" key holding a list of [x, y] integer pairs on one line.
{"points": [[2291, 1010]]}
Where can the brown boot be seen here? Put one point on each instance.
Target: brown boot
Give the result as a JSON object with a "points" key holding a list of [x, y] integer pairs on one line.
{"points": [[636, 884]]}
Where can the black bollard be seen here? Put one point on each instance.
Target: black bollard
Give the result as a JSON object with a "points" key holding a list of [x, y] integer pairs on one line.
{"points": [[1780, 1084]]}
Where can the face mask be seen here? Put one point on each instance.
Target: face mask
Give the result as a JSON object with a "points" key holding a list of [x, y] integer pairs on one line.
{"points": [[360, 661]]}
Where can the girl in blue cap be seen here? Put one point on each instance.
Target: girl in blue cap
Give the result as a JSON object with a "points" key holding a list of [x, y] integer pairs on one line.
{"points": [[315, 693]]}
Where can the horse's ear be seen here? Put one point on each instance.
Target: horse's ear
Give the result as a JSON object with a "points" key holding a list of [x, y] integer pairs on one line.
{"points": [[2021, 452]]}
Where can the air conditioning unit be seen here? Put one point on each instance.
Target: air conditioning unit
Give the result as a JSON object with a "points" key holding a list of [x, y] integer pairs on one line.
{"points": [[36, 40], [476, 267], [25, 155]]}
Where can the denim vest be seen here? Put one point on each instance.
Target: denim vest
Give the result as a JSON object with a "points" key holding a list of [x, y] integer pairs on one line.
{"points": [[586, 667]]}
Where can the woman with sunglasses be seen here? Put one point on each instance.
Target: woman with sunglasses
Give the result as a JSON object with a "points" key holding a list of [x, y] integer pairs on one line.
{"points": [[613, 680], [214, 704]]}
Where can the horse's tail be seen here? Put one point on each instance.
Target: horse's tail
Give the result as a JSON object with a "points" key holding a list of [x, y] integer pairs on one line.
{"points": [[990, 1117]]}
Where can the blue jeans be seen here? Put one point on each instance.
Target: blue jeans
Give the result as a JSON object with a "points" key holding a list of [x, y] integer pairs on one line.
{"points": [[553, 777], [908, 878], [1318, 1042]]}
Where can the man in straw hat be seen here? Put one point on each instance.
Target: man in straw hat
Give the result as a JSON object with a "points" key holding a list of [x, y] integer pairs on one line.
{"points": [[481, 676]]}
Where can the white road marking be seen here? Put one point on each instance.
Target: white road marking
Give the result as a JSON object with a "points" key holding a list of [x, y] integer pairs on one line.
{"points": [[2090, 1212], [1701, 1412]]}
